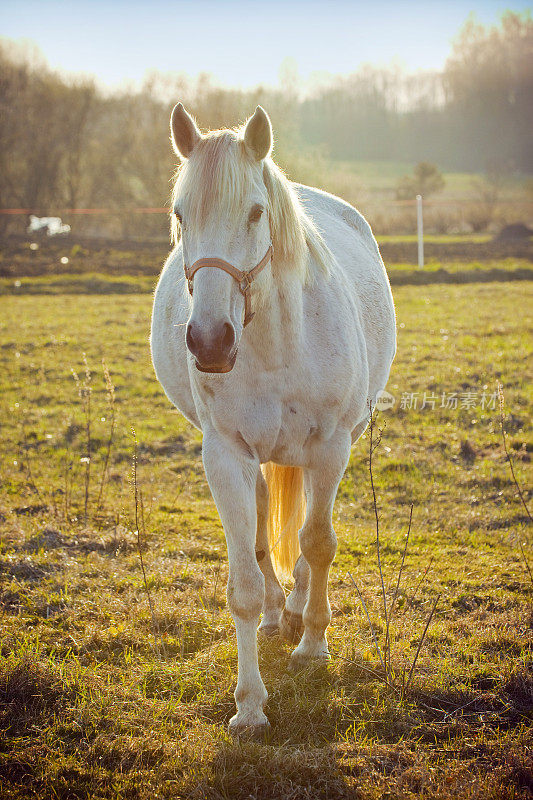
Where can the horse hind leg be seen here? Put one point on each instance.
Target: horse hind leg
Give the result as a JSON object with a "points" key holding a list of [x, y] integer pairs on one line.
{"points": [[318, 544], [274, 601], [291, 622]]}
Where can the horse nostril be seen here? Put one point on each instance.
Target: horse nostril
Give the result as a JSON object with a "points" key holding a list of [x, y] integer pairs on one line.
{"points": [[228, 336], [191, 338], [218, 343]]}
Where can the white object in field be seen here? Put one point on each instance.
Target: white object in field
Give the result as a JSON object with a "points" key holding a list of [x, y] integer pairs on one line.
{"points": [[53, 226], [420, 229]]}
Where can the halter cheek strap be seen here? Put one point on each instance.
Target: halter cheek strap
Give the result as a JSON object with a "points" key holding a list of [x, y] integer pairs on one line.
{"points": [[244, 279]]}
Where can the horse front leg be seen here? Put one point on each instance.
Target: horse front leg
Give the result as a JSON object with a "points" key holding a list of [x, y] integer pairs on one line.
{"points": [[319, 543], [232, 474]]}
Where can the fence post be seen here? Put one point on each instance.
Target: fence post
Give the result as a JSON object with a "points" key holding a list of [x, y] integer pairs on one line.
{"points": [[420, 230]]}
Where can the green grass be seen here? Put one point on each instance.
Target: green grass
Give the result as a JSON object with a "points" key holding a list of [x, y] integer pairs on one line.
{"points": [[92, 706], [88, 283]]}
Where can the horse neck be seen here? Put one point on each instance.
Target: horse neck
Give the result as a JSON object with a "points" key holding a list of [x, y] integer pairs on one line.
{"points": [[276, 329]]}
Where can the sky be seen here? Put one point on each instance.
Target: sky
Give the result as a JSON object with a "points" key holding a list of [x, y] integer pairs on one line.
{"points": [[241, 44]]}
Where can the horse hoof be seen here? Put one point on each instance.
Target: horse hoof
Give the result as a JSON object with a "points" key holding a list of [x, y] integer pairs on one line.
{"points": [[252, 732], [270, 630], [291, 626]]}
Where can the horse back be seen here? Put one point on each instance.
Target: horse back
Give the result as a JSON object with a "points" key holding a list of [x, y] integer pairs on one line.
{"points": [[361, 268]]}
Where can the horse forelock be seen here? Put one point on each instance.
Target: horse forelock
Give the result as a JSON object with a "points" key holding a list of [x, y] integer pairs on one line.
{"points": [[215, 179], [219, 177]]}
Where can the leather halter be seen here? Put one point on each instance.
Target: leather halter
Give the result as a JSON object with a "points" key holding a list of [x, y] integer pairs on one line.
{"points": [[243, 278]]}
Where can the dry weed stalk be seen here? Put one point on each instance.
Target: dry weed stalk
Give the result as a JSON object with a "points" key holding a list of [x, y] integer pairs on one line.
{"points": [[378, 648], [515, 479], [509, 459], [373, 445], [141, 533], [84, 391], [397, 588], [385, 653], [68, 490], [24, 444], [411, 600], [110, 390]]}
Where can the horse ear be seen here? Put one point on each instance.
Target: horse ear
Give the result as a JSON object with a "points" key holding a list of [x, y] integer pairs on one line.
{"points": [[185, 134], [258, 134]]}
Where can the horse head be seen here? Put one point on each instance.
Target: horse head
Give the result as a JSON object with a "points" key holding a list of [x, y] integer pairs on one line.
{"points": [[221, 206]]}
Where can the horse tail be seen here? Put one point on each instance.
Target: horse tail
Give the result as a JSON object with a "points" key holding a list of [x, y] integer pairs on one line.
{"points": [[286, 513]]}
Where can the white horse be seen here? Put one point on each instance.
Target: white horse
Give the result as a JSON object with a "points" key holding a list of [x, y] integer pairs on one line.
{"points": [[280, 400]]}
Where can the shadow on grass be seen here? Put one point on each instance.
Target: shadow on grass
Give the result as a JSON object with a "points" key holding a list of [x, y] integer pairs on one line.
{"points": [[337, 733], [251, 770]]}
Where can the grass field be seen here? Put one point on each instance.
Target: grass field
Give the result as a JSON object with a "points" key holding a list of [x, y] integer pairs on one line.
{"points": [[100, 699]]}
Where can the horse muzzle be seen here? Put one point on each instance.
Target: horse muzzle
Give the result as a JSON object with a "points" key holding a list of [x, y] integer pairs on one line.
{"points": [[218, 368], [214, 350]]}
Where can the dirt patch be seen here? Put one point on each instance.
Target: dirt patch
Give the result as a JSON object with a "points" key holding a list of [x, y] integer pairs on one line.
{"points": [[513, 232], [121, 257], [84, 256], [409, 277], [407, 253]]}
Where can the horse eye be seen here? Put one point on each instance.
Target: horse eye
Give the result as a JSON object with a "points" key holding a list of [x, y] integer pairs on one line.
{"points": [[178, 217], [255, 214]]}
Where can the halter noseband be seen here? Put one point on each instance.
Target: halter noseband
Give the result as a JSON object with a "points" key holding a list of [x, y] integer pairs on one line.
{"points": [[244, 279]]}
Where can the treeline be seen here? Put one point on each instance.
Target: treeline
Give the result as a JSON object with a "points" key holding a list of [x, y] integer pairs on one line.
{"points": [[474, 116], [64, 143]]}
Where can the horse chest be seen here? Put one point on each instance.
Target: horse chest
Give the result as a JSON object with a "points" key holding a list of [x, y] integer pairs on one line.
{"points": [[297, 429], [282, 415]]}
